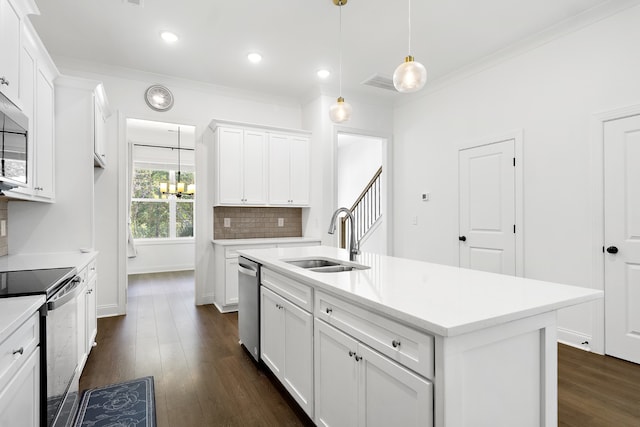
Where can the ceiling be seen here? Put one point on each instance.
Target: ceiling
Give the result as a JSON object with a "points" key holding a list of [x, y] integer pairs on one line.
{"points": [[296, 38]]}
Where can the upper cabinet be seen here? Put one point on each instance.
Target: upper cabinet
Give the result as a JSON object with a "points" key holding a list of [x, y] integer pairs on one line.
{"points": [[9, 50], [288, 170], [101, 113], [241, 166], [259, 166], [37, 99]]}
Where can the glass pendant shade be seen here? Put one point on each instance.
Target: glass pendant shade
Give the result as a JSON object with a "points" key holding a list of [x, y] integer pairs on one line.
{"points": [[340, 111], [191, 188], [410, 76]]}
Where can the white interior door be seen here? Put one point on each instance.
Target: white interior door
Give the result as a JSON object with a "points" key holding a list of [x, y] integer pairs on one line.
{"points": [[487, 208], [622, 237]]}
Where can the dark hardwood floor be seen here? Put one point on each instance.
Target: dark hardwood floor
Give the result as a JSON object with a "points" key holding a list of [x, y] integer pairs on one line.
{"points": [[204, 378]]}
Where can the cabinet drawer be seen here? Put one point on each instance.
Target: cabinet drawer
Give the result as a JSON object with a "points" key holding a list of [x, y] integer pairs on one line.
{"points": [[401, 343], [299, 294], [17, 348]]}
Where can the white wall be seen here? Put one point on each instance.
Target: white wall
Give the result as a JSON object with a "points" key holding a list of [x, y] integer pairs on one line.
{"points": [[357, 160], [195, 104], [156, 257], [551, 93]]}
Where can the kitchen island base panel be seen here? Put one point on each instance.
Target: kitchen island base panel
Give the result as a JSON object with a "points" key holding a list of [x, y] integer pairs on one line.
{"points": [[500, 376]]}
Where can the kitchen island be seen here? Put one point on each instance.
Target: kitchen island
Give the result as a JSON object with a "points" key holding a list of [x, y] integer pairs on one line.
{"points": [[404, 342]]}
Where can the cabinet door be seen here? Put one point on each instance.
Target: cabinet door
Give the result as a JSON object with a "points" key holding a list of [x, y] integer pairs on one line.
{"points": [[300, 171], [254, 168], [390, 394], [336, 377], [99, 137], [81, 301], [229, 165], [91, 316], [9, 50], [272, 331], [279, 170], [231, 281], [298, 355], [44, 139], [20, 399]]}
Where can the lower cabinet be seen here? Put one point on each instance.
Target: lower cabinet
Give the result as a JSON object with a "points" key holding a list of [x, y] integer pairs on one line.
{"points": [[357, 386], [87, 315], [286, 337], [20, 375], [20, 398]]}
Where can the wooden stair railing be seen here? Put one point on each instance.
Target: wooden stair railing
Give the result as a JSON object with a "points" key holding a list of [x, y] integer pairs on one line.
{"points": [[366, 210]]}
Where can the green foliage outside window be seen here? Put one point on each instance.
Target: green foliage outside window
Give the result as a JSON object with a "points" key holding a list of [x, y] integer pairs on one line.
{"points": [[157, 216]]}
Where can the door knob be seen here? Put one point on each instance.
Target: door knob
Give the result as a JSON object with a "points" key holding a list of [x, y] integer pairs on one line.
{"points": [[612, 250], [462, 238]]}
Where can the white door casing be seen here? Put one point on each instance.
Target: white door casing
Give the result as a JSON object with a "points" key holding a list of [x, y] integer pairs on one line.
{"points": [[622, 232], [487, 221]]}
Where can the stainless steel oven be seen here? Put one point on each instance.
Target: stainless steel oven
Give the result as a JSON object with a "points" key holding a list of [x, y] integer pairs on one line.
{"points": [[61, 348]]}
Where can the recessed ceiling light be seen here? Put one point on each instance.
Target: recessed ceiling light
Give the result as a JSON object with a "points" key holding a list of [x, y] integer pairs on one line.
{"points": [[169, 37], [254, 57], [323, 74]]}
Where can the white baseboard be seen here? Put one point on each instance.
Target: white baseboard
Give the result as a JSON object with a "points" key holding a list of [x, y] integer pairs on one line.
{"points": [[205, 299], [109, 310], [575, 339]]}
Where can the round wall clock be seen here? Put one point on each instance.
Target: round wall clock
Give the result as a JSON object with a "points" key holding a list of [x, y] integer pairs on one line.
{"points": [[158, 98]]}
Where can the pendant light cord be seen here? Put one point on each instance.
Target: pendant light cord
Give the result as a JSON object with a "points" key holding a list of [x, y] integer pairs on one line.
{"points": [[340, 47], [178, 180], [409, 27]]}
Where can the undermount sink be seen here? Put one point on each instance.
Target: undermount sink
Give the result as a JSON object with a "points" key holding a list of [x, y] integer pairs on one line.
{"points": [[312, 263], [324, 265]]}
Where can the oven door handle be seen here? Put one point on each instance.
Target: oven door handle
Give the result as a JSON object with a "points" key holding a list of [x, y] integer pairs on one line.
{"points": [[68, 295]]}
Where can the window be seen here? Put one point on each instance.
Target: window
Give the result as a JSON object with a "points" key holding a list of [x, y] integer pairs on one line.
{"points": [[158, 216]]}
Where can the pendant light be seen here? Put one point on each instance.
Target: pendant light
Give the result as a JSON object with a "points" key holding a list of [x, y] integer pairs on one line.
{"points": [[410, 76], [177, 189], [340, 111]]}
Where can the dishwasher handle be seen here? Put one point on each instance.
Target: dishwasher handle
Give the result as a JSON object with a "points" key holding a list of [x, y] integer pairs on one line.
{"points": [[248, 270]]}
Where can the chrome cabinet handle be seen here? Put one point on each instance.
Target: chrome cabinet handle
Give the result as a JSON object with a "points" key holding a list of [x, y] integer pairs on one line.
{"points": [[358, 358], [395, 343], [329, 310], [351, 353], [4, 81], [19, 351]]}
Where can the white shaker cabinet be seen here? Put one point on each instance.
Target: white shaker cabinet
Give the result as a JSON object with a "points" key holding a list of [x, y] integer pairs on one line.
{"points": [[288, 170], [286, 340], [20, 376], [241, 167], [87, 315], [9, 50], [37, 97], [356, 385]]}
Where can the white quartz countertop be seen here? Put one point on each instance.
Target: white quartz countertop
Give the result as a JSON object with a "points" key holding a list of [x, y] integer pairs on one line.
{"points": [[264, 241], [46, 260], [15, 311], [439, 299]]}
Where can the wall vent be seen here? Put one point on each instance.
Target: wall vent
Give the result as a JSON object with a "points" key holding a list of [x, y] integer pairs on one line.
{"points": [[139, 3], [379, 81]]}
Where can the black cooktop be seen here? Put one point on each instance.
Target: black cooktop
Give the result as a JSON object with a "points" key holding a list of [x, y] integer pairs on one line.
{"points": [[33, 282]]}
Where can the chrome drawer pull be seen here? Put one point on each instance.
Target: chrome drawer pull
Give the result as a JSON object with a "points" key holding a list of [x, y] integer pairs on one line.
{"points": [[358, 358], [351, 353], [19, 351], [329, 310], [395, 343]]}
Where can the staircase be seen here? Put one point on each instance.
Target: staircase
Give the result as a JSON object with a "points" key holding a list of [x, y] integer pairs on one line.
{"points": [[366, 210]]}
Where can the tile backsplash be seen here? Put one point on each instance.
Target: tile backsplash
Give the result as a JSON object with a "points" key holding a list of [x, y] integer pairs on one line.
{"points": [[4, 241], [251, 223]]}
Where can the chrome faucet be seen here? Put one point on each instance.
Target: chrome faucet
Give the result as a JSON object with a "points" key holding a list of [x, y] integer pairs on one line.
{"points": [[353, 245]]}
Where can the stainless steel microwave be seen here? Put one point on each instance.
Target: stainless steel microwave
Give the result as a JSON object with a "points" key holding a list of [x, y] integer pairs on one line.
{"points": [[14, 125]]}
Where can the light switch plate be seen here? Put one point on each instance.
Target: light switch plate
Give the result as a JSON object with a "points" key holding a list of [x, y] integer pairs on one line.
{"points": [[227, 222]]}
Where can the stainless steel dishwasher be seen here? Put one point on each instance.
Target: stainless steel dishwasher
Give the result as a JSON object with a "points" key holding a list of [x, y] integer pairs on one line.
{"points": [[249, 306]]}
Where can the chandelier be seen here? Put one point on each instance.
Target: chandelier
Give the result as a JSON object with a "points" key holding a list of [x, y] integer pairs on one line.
{"points": [[178, 188]]}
